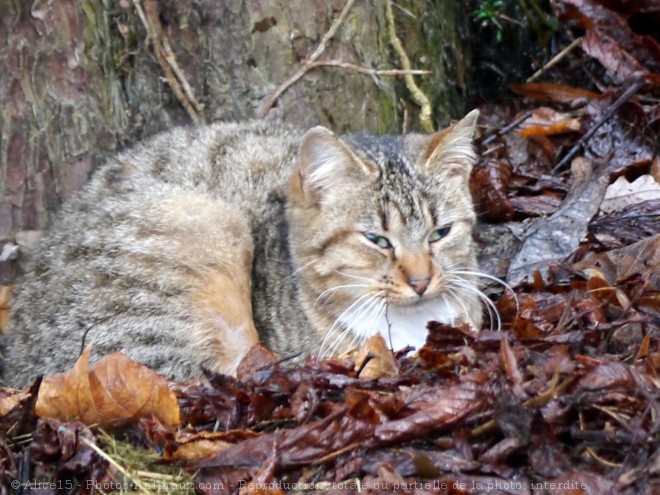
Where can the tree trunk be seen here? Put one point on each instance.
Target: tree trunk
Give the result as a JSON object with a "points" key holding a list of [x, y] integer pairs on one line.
{"points": [[81, 79]]}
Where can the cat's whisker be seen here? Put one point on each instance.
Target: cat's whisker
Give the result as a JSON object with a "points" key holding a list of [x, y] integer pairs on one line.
{"points": [[356, 311], [489, 277], [371, 321], [363, 309], [336, 288], [489, 304], [358, 302], [300, 269], [491, 316], [375, 321], [454, 296], [369, 310], [459, 282], [357, 277]]}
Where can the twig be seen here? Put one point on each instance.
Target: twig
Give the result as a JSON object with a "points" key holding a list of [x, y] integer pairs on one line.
{"points": [[507, 128], [307, 65], [625, 96], [417, 94], [553, 61], [167, 61], [135, 481], [366, 70], [337, 453]]}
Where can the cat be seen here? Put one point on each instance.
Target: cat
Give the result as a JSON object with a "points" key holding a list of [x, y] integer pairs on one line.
{"points": [[185, 251]]}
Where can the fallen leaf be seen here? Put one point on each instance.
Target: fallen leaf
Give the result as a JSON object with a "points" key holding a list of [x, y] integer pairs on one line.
{"points": [[112, 392], [554, 92], [641, 258], [622, 65], [546, 122], [542, 205], [205, 444], [623, 193], [633, 223], [557, 237], [381, 361], [489, 186], [12, 400], [610, 39], [257, 357], [66, 446]]}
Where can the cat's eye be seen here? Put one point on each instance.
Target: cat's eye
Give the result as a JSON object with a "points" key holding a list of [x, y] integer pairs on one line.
{"points": [[438, 234], [379, 240]]}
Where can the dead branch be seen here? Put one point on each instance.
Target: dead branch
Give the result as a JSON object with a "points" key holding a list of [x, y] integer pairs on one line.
{"points": [[368, 71], [417, 94], [512, 125], [625, 96], [167, 61], [554, 60], [308, 64]]}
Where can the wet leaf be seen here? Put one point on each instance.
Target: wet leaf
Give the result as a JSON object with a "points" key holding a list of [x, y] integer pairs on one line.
{"points": [[258, 357], [489, 186], [640, 258], [546, 121], [557, 92], [613, 43], [556, 238]]}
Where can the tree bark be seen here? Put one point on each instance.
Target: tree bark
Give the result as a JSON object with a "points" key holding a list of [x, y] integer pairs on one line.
{"points": [[80, 80]]}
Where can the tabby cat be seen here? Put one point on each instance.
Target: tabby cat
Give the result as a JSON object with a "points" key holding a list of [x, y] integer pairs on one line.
{"points": [[188, 249]]}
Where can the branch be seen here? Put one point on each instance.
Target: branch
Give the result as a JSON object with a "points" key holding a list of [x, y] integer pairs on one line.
{"points": [[553, 61], [417, 94], [366, 70], [308, 64], [167, 61], [625, 96]]}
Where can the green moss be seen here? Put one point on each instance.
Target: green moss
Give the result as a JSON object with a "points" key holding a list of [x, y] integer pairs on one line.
{"points": [[144, 471]]}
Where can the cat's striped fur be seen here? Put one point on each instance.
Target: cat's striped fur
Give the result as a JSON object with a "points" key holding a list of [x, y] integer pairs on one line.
{"points": [[187, 249]]}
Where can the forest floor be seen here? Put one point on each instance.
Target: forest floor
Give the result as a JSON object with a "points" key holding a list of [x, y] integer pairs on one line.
{"points": [[560, 395]]}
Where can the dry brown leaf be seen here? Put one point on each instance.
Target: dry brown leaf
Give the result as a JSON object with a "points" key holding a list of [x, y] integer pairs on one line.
{"points": [[381, 362], [110, 393], [9, 402], [201, 444], [623, 193], [199, 449]]}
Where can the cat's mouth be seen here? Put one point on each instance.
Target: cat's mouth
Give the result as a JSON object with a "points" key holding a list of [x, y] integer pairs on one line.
{"points": [[406, 304]]}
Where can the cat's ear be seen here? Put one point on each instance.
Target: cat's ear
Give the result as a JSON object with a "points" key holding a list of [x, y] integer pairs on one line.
{"points": [[326, 164], [450, 152]]}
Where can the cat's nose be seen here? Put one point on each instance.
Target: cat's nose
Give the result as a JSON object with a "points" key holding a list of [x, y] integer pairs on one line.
{"points": [[419, 285]]}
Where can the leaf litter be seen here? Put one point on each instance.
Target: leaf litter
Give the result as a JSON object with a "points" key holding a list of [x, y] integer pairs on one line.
{"points": [[563, 400]]}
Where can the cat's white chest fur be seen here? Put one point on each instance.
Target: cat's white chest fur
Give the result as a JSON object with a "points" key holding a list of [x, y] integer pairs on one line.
{"points": [[400, 328]]}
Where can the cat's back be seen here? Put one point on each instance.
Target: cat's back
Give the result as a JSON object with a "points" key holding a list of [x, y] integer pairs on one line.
{"points": [[237, 162], [123, 256]]}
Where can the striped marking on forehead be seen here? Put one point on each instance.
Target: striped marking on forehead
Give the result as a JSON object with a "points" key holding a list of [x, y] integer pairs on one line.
{"points": [[400, 189]]}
